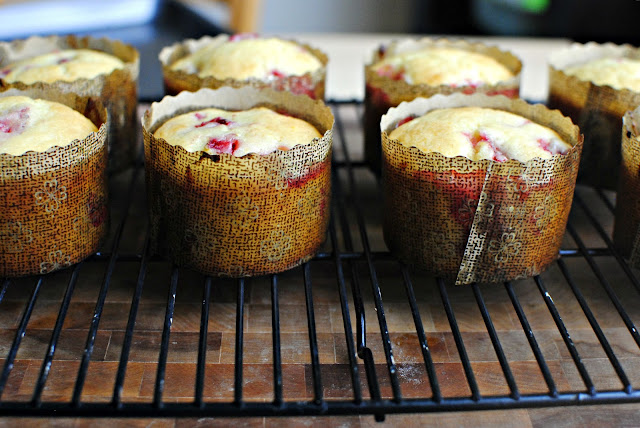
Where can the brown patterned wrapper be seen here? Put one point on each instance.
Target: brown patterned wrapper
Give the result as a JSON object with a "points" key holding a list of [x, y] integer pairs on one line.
{"points": [[626, 236], [477, 221], [117, 90], [596, 109], [238, 216], [382, 92], [311, 84], [53, 204]]}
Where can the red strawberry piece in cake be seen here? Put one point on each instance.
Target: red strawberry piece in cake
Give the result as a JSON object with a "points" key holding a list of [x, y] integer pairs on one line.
{"points": [[227, 144], [214, 122], [405, 120], [14, 121]]}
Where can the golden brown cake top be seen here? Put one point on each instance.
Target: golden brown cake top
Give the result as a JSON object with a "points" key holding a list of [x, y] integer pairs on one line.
{"points": [[479, 133], [258, 130], [28, 124], [443, 66], [243, 57], [618, 72], [66, 65]]}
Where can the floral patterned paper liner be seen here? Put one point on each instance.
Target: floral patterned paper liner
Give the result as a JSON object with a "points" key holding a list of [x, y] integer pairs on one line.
{"points": [[382, 92], [229, 216], [596, 109], [177, 81], [626, 230], [53, 204], [477, 221], [117, 90]]}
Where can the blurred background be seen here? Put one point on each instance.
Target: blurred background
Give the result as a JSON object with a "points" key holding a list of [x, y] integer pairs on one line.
{"points": [[150, 25]]}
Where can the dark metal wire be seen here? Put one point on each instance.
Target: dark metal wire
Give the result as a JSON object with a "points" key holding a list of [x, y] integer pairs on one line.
{"points": [[53, 342], [22, 328], [4, 288], [375, 286], [202, 343], [346, 317], [422, 337], [275, 333], [495, 341], [131, 323], [313, 339], [533, 343], [596, 327], [97, 314], [457, 337], [164, 344], [239, 339], [548, 300]]}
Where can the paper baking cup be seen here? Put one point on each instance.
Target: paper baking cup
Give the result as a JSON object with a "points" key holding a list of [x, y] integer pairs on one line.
{"points": [[476, 221], [53, 204], [626, 236], [117, 90], [311, 84], [238, 216], [596, 109], [382, 93]]}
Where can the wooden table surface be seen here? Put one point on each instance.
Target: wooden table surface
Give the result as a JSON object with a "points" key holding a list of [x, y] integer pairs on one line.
{"points": [[297, 380]]}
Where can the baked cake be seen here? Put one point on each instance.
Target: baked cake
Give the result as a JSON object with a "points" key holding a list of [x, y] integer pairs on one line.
{"points": [[595, 84], [65, 65], [477, 188], [443, 66], [479, 133], [245, 57], [28, 124], [258, 130], [238, 186], [410, 68], [619, 73]]}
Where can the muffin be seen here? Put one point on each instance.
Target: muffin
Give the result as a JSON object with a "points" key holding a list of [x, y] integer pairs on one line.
{"points": [[627, 213], [244, 59], [238, 179], [53, 187], [595, 85], [475, 190], [409, 68], [86, 66]]}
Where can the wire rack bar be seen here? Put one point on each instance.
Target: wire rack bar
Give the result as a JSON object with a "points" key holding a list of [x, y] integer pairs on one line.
{"points": [[275, 333], [131, 323], [313, 339], [202, 342], [422, 337], [607, 287], [548, 300], [95, 321], [20, 332], [531, 338], [457, 337], [3, 288], [57, 329], [596, 327], [239, 339], [375, 286], [495, 341], [346, 317], [164, 344]]}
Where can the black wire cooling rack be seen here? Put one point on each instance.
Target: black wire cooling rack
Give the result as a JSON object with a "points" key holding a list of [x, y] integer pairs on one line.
{"points": [[401, 341]]}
